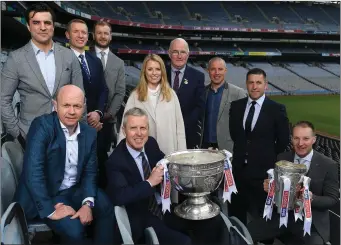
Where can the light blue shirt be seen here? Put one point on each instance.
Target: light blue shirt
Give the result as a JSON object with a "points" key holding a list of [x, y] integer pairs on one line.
{"points": [[181, 74], [138, 159], [258, 107], [304, 160], [47, 65]]}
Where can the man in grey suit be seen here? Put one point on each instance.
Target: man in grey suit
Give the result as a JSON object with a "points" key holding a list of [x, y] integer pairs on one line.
{"points": [[36, 71], [219, 94], [114, 74], [324, 192]]}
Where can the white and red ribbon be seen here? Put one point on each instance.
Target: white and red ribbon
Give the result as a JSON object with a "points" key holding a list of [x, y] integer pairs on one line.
{"points": [[298, 212], [285, 201], [270, 199], [229, 183], [165, 186], [307, 206]]}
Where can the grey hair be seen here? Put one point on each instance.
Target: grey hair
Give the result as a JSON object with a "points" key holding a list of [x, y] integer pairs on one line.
{"points": [[216, 59], [178, 39], [137, 112]]}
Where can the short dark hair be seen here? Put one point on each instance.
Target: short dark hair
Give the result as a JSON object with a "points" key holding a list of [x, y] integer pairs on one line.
{"points": [[38, 8], [101, 23], [68, 27], [256, 71], [304, 124]]}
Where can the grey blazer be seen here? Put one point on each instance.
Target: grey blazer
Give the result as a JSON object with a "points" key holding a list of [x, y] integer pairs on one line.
{"points": [[114, 74], [230, 93], [324, 186], [21, 72]]}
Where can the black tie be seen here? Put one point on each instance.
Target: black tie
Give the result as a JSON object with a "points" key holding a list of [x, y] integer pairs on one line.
{"points": [[249, 118], [153, 206]]}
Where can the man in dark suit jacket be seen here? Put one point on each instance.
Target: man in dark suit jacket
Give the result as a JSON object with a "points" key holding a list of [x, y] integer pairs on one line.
{"points": [[259, 129], [133, 178], [324, 191], [96, 90], [188, 83], [59, 173]]}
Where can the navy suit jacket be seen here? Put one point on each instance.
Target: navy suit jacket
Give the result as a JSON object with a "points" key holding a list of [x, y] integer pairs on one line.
{"points": [[96, 90], [192, 102], [125, 184], [44, 165], [269, 137]]}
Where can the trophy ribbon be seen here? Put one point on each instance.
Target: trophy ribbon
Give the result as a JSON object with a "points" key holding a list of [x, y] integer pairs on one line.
{"points": [[298, 212], [285, 201], [307, 206], [270, 199], [229, 183], [165, 186]]}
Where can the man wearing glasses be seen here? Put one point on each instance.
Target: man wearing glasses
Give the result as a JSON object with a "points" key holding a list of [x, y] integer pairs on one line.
{"points": [[188, 83]]}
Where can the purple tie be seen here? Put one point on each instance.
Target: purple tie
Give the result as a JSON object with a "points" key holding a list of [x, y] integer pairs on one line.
{"points": [[176, 81]]}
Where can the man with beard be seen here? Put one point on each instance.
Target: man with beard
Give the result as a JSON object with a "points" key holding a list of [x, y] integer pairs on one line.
{"points": [[115, 79]]}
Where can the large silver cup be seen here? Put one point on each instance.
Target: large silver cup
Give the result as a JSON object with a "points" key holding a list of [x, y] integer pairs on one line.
{"points": [[196, 173], [294, 172]]}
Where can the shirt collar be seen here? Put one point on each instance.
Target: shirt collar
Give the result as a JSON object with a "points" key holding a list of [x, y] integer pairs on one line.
{"points": [[306, 158], [134, 153], [182, 70], [37, 50], [98, 50], [259, 101], [222, 86], [77, 53], [78, 130]]}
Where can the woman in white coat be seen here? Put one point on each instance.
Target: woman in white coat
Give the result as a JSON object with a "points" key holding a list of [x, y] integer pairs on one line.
{"points": [[154, 95]]}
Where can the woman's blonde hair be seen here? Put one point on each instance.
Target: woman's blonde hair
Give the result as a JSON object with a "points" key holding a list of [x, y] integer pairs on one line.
{"points": [[142, 87]]}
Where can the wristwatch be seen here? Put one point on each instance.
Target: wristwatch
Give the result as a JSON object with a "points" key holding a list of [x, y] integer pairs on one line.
{"points": [[89, 203]]}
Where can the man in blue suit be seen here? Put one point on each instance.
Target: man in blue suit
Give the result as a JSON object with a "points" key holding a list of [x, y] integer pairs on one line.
{"points": [[188, 84], [96, 90], [58, 182]]}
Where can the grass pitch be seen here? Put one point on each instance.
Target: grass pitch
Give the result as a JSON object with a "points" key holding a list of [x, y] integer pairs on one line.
{"points": [[322, 110]]}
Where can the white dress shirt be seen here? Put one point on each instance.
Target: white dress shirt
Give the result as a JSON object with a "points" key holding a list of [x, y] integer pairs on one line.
{"points": [[71, 161], [47, 65], [83, 53], [99, 55], [138, 159], [153, 96], [181, 74], [258, 107], [304, 160]]}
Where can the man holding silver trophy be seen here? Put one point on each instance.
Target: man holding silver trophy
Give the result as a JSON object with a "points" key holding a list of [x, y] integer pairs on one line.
{"points": [[323, 193]]}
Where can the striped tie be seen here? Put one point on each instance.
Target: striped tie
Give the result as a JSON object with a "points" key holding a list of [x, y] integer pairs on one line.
{"points": [[84, 66], [153, 206]]}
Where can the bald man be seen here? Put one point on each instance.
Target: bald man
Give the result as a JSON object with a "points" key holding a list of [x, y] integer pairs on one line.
{"points": [[188, 83], [218, 96], [58, 182]]}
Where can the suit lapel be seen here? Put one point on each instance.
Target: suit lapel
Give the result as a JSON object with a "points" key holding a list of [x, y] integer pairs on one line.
{"points": [[109, 61], [131, 164], [81, 147], [224, 100], [61, 142], [33, 63], [90, 64], [169, 75], [59, 66], [313, 169], [262, 114]]}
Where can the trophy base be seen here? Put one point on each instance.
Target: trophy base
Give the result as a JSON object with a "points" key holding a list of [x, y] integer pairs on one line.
{"points": [[197, 208]]}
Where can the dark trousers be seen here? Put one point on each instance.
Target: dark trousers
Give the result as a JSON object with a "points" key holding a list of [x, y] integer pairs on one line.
{"points": [[208, 231], [104, 139], [250, 198], [261, 230], [72, 231]]}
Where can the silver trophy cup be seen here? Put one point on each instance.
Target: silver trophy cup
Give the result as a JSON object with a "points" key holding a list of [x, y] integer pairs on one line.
{"points": [[294, 172], [196, 173]]}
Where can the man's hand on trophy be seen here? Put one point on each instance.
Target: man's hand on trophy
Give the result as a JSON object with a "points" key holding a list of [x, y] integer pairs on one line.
{"points": [[156, 176], [301, 195], [266, 185]]}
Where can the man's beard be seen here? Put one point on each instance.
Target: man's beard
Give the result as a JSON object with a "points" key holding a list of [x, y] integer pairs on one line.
{"points": [[102, 46]]}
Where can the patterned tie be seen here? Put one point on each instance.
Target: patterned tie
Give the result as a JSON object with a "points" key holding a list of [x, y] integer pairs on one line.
{"points": [[153, 206], [176, 81], [249, 118], [102, 59], [84, 66]]}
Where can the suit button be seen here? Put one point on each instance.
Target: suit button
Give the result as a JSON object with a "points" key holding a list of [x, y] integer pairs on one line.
{"points": [[246, 153], [248, 141]]}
